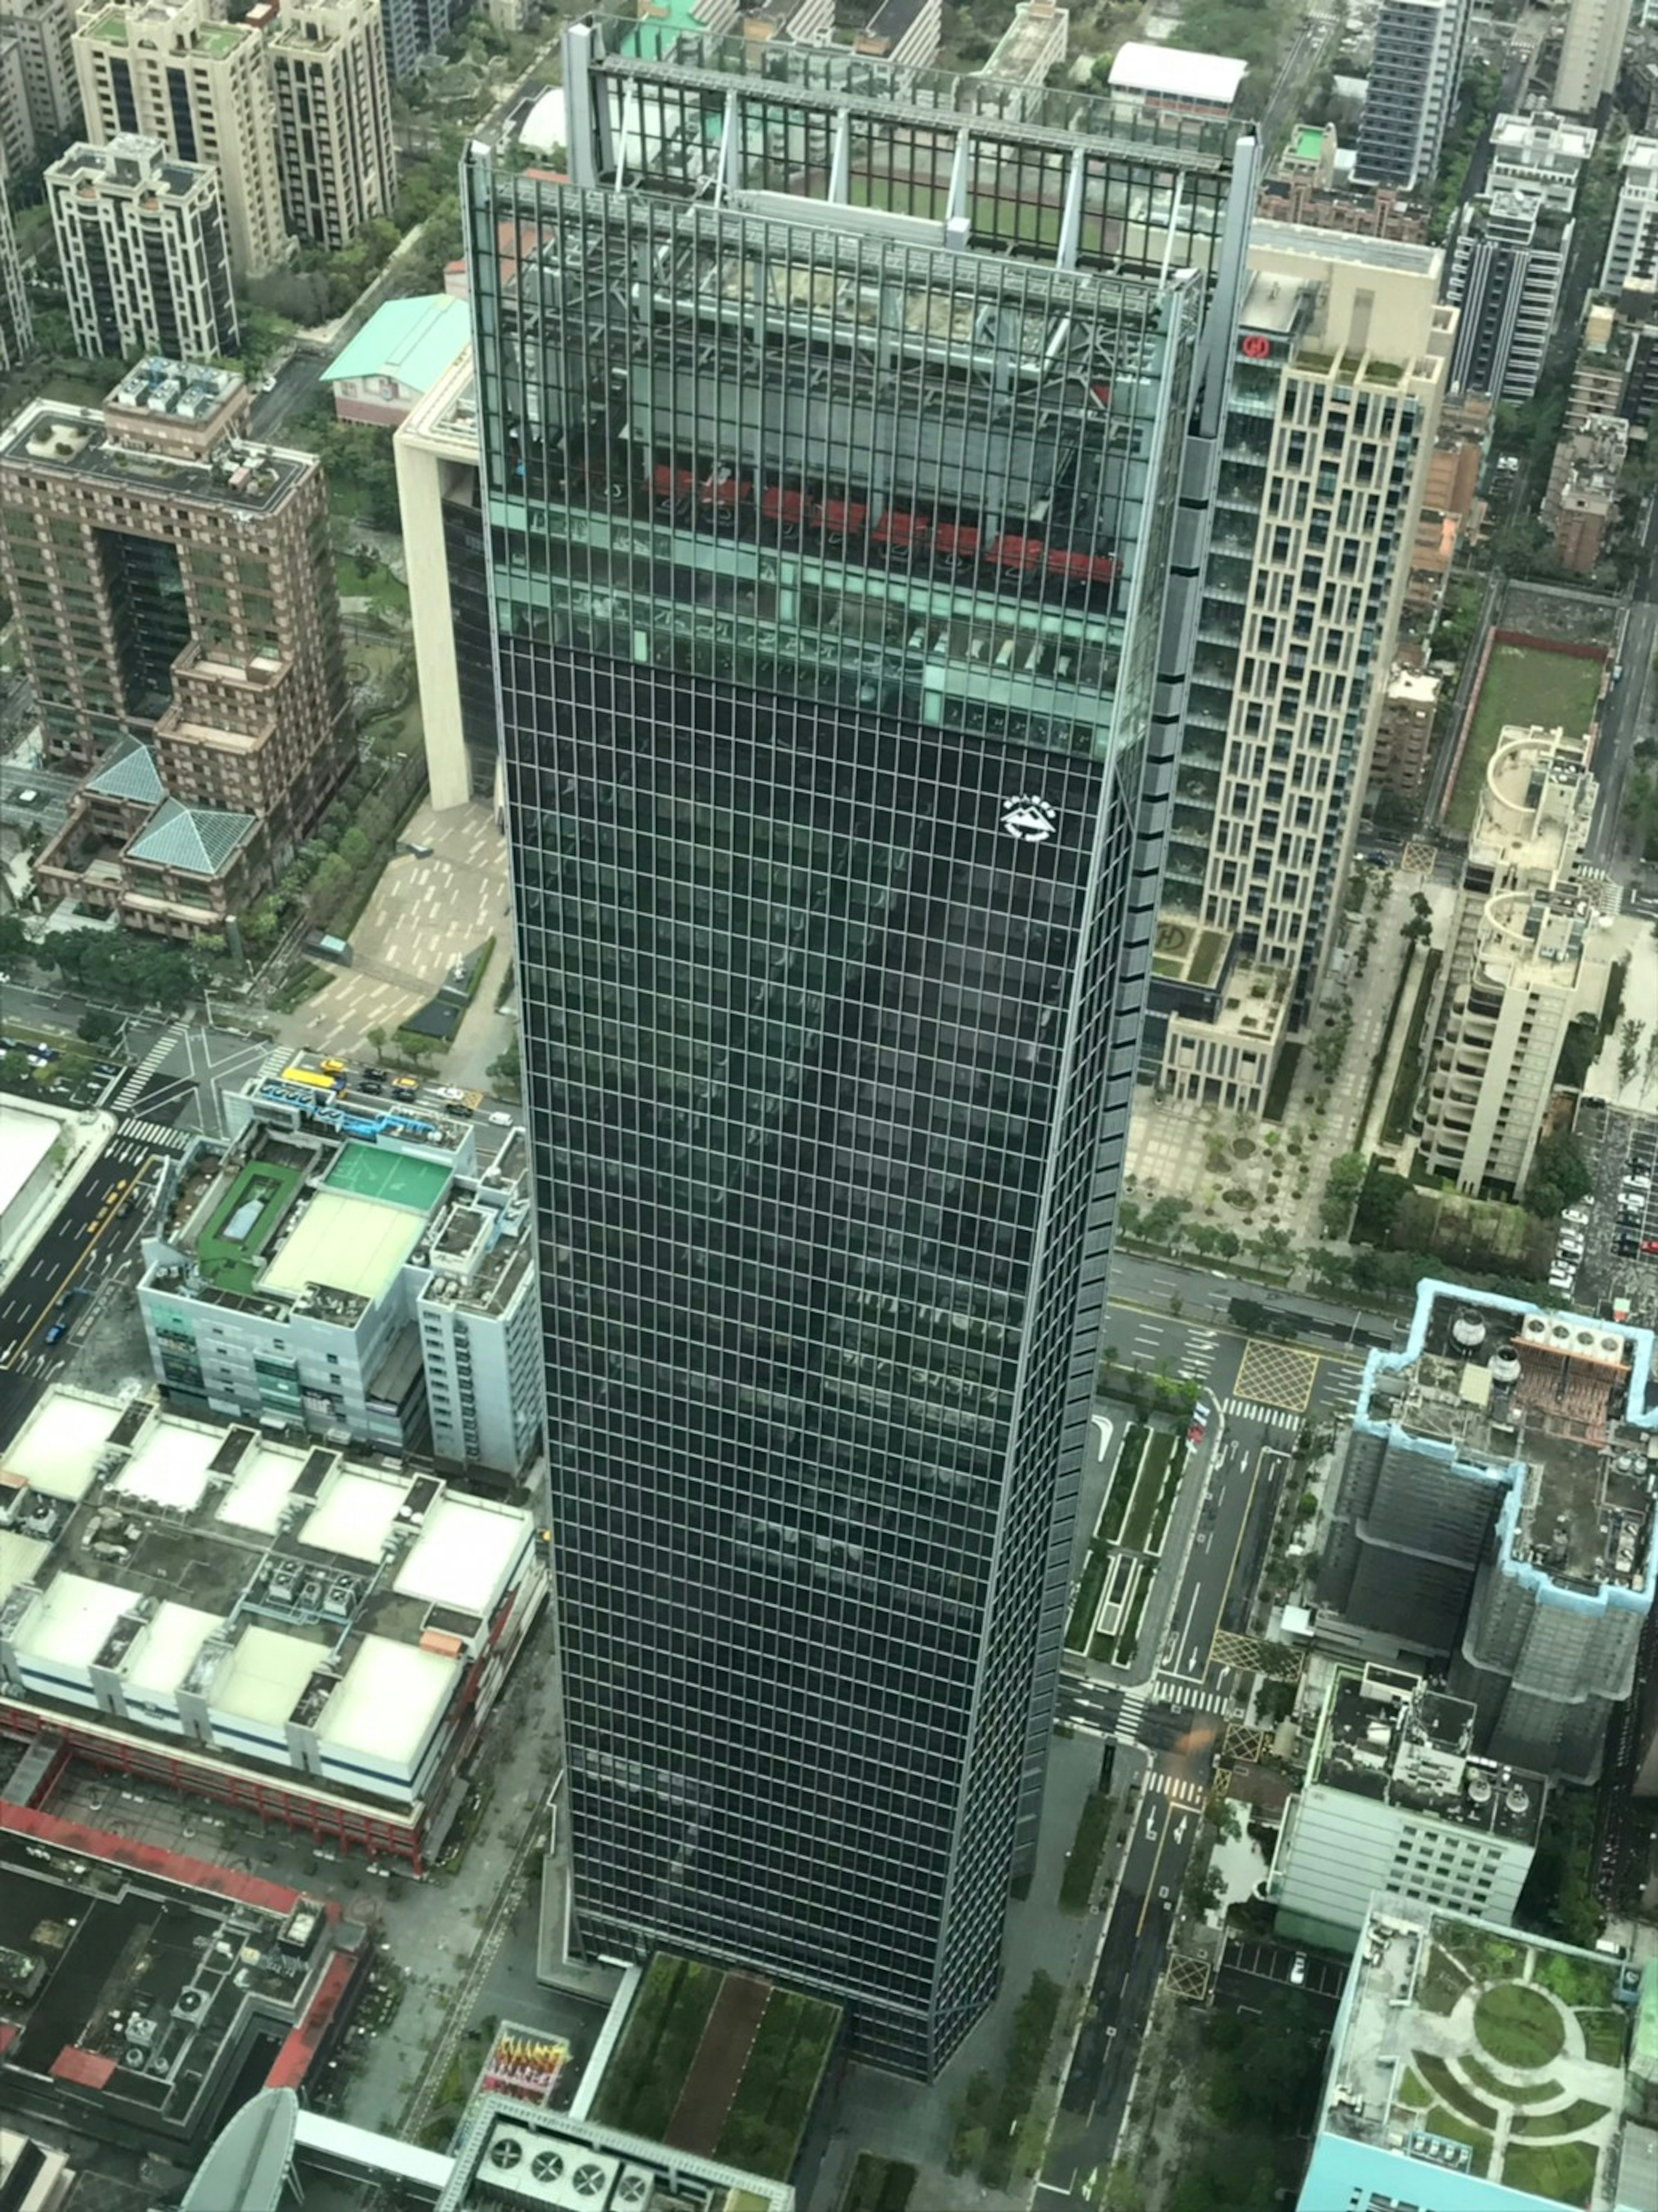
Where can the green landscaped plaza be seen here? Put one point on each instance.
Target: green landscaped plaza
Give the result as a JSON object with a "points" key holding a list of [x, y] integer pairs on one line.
{"points": [[1528, 687], [232, 1261], [370, 1171], [722, 2065]]}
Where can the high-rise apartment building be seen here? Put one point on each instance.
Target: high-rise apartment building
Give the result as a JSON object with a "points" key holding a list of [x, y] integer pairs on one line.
{"points": [[174, 586], [1397, 1801], [1493, 1512], [333, 114], [1411, 98], [16, 322], [170, 69], [846, 474], [1528, 955], [412, 28], [1632, 249], [1507, 264], [44, 31], [1334, 402], [143, 249], [1591, 54]]}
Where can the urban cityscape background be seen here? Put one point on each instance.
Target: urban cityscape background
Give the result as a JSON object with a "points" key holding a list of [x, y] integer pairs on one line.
{"points": [[828, 1104]]}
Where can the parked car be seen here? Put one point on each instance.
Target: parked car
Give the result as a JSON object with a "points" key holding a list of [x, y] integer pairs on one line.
{"points": [[1297, 1969]]}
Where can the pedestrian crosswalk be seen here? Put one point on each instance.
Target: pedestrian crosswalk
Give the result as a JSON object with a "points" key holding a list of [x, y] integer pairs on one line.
{"points": [[1131, 1714], [1192, 1701], [1178, 1789], [136, 1084], [155, 1135], [1267, 1417]]}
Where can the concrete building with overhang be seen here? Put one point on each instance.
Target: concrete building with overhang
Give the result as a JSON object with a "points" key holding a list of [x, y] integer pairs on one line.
{"points": [[267, 1625]]}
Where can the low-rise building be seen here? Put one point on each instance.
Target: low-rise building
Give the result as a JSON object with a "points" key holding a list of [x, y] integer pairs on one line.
{"points": [[1035, 42], [1581, 501], [404, 348], [1404, 735], [347, 1267], [1174, 81], [1494, 1513], [1397, 1802], [264, 1623], [1528, 953], [157, 1985], [1478, 2070]]}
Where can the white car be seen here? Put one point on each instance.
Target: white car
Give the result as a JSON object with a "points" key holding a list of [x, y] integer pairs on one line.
{"points": [[500, 1121], [1297, 1969]]}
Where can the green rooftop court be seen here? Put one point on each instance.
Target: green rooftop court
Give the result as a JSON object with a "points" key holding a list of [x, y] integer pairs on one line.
{"points": [[369, 1171], [230, 1251], [1524, 686], [722, 2065], [1309, 143]]}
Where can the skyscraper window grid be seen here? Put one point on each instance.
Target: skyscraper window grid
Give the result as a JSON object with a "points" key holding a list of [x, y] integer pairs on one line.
{"points": [[831, 523]]}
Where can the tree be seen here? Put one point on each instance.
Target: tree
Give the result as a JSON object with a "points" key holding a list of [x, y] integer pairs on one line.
{"points": [[98, 1025], [1341, 1188], [1630, 1033], [1560, 1175], [1420, 927], [13, 938], [419, 1047], [377, 1038]]}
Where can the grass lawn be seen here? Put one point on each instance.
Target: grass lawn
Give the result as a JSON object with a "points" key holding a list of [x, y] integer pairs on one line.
{"points": [[1157, 1471], [376, 583], [1604, 2037], [1442, 2122], [1526, 686], [1563, 2171], [1517, 2026], [1575, 1981], [1442, 2078], [1571, 2120], [1509, 2092]]}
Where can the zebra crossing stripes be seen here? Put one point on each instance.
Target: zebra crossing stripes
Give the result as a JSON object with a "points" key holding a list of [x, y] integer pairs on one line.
{"points": [[1178, 1789], [1130, 1715], [1190, 1699], [1266, 1417], [156, 1134], [133, 1089]]}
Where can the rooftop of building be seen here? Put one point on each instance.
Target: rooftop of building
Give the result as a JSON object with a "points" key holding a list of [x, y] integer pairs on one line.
{"points": [[1389, 253], [480, 1258], [447, 416], [1387, 1735], [130, 160], [146, 1991], [282, 1581], [1537, 800], [197, 840], [115, 26], [1468, 2050], [88, 443], [1559, 1407], [333, 1106], [1306, 141], [412, 340], [830, 77], [1026, 39], [723, 2064], [1176, 73], [285, 1222], [506, 2130], [1414, 686], [1556, 136]]}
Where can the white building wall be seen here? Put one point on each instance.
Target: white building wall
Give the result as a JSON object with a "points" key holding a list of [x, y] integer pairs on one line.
{"points": [[1632, 248], [1337, 1850], [482, 1377]]}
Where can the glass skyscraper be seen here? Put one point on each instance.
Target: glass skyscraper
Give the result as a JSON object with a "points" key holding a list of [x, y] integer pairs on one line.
{"points": [[848, 433]]}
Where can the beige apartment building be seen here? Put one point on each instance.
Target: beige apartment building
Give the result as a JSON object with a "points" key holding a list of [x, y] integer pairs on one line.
{"points": [[44, 31], [1335, 405], [174, 592], [16, 322], [142, 248], [170, 69], [1530, 951], [333, 118]]}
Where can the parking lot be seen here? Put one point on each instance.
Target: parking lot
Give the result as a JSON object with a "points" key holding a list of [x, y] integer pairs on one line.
{"points": [[1250, 1971], [1618, 1265]]}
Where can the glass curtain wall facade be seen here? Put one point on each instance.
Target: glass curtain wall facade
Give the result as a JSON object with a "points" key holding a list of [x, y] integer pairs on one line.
{"points": [[834, 458]]}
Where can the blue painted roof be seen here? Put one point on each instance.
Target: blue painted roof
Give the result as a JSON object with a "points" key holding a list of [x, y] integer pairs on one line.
{"points": [[200, 840], [412, 340], [130, 774]]}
